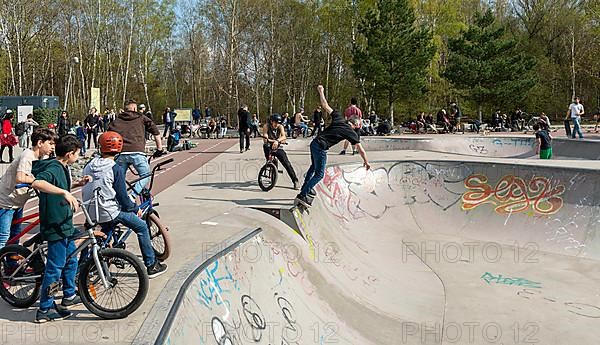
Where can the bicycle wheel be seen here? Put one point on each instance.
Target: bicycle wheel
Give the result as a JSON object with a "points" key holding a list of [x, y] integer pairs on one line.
{"points": [[23, 289], [267, 177], [159, 235], [294, 134], [309, 132], [128, 284]]}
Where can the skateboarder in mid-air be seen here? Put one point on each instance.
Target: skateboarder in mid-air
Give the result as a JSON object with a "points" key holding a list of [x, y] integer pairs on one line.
{"points": [[338, 130]]}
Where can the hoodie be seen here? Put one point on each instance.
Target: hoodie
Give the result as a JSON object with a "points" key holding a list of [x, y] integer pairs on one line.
{"points": [[56, 216], [133, 127], [110, 178]]}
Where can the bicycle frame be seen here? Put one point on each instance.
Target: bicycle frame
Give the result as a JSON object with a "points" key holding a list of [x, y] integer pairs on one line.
{"points": [[90, 241], [28, 228]]}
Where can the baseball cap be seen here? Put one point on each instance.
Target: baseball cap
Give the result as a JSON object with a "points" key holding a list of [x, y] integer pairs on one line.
{"points": [[142, 106]]}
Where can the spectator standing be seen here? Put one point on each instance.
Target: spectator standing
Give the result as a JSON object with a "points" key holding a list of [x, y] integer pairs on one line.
{"points": [[167, 120], [244, 128], [196, 114], [577, 111], [91, 123], [352, 112], [317, 119], [7, 138], [64, 124], [29, 126], [254, 123], [222, 127]]}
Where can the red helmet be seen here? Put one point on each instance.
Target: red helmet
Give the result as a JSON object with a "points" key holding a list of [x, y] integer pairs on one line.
{"points": [[111, 142]]}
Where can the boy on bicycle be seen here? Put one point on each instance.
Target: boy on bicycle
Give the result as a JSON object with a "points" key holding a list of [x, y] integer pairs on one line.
{"points": [[53, 181], [114, 205], [12, 200], [273, 137]]}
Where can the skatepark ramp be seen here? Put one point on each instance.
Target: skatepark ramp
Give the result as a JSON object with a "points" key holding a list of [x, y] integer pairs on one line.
{"points": [[411, 252], [485, 146]]}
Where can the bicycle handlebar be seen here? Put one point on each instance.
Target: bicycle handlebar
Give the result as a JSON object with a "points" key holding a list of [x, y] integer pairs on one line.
{"points": [[151, 175], [22, 185]]}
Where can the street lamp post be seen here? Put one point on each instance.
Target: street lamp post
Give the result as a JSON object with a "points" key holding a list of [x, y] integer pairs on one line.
{"points": [[74, 60]]}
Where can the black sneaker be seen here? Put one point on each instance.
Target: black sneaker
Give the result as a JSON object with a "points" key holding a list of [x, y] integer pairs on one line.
{"points": [[354, 152], [52, 314], [343, 152], [74, 300], [157, 269], [312, 192], [303, 200]]}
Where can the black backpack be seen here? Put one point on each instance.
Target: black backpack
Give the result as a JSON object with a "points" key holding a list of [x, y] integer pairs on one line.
{"points": [[20, 129]]}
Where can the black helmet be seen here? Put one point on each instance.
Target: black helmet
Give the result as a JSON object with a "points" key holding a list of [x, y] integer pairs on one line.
{"points": [[277, 118]]}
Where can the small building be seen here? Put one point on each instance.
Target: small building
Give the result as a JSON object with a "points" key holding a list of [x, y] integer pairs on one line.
{"points": [[44, 102]]}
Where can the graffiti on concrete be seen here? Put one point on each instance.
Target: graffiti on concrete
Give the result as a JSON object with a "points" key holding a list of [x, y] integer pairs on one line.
{"points": [[222, 336], [481, 149], [254, 317], [490, 278], [210, 288], [511, 194], [578, 308], [350, 195]]}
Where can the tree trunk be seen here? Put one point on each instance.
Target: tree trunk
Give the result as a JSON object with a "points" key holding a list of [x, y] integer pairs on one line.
{"points": [[125, 79], [480, 112], [573, 94], [391, 106]]}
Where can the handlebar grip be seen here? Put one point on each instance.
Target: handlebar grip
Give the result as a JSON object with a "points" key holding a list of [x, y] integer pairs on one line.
{"points": [[22, 185], [170, 160]]}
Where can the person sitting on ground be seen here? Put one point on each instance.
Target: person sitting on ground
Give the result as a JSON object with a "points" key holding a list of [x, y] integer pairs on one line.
{"points": [[212, 128], [384, 127], [115, 206], [12, 200], [443, 121], [544, 142], [339, 129], [273, 139], [56, 207], [174, 138]]}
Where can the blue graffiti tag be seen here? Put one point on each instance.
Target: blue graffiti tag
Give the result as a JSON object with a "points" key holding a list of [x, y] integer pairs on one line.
{"points": [[211, 288]]}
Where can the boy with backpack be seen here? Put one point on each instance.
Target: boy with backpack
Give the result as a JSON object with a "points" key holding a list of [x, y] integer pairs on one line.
{"points": [[115, 206], [53, 181]]}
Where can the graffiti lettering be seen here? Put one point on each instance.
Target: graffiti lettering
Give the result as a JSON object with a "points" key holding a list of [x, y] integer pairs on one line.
{"points": [[489, 278], [254, 317], [512, 194], [222, 337], [290, 327], [210, 288], [478, 149]]}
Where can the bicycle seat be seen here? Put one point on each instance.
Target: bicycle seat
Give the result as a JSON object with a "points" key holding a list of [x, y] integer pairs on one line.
{"points": [[37, 239]]}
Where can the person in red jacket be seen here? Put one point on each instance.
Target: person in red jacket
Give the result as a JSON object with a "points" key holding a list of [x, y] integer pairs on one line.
{"points": [[7, 138]]}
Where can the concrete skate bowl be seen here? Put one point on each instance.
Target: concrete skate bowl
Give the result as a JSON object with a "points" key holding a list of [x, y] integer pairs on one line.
{"points": [[408, 253], [488, 146]]}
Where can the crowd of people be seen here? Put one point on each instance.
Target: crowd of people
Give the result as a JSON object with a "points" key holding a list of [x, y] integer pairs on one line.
{"points": [[45, 168]]}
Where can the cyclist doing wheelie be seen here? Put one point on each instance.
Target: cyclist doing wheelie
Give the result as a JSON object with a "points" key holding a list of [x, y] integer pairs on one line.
{"points": [[273, 138], [114, 205]]}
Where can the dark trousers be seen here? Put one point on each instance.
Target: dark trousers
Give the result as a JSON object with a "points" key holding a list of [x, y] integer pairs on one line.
{"points": [[318, 128], [92, 134], [283, 158], [10, 152], [244, 134], [168, 127]]}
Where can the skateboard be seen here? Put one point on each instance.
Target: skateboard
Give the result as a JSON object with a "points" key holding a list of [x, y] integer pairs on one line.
{"points": [[567, 128], [300, 205]]}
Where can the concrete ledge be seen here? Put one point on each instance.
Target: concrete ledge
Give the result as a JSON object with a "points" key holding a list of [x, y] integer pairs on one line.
{"points": [[156, 327]]}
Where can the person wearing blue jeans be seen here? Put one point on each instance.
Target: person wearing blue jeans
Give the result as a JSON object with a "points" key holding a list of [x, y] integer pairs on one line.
{"points": [[12, 199], [7, 215], [109, 190], [140, 163], [57, 205], [577, 127], [339, 129], [576, 110]]}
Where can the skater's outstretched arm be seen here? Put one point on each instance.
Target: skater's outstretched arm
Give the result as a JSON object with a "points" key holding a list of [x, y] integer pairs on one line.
{"points": [[324, 103]]}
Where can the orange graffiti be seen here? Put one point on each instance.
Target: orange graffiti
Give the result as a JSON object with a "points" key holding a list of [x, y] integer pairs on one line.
{"points": [[513, 195]]}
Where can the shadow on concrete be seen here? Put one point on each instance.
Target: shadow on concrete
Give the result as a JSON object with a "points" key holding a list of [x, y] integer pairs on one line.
{"points": [[251, 202], [243, 186]]}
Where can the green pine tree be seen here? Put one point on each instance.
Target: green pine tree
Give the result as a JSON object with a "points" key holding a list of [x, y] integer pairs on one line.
{"points": [[391, 54], [489, 67]]}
